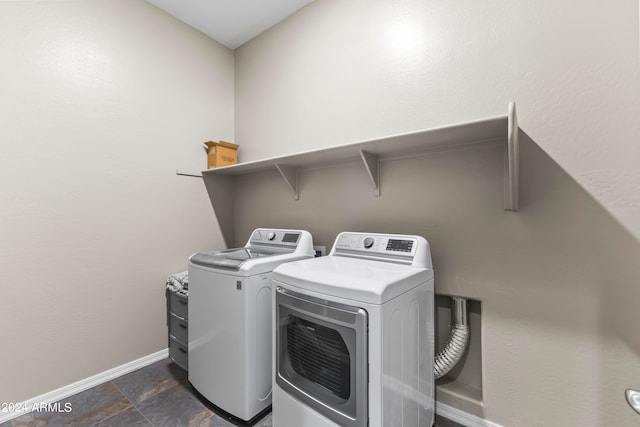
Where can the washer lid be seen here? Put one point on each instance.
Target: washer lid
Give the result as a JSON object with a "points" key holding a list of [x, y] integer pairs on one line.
{"points": [[363, 280], [231, 259]]}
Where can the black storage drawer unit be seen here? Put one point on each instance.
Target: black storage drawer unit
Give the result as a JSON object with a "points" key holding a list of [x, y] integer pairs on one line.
{"points": [[177, 304], [178, 325], [178, 352]]}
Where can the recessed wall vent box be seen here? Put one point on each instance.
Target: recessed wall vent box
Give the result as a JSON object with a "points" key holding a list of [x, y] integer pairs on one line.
{"points": [[221, 154]]}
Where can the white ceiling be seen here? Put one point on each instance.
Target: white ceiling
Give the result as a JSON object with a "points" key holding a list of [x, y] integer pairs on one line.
{"points": [[231, 22]]}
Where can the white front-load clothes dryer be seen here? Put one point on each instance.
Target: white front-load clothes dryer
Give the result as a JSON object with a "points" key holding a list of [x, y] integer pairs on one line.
{"points": [[353, 335], [230, 318]]}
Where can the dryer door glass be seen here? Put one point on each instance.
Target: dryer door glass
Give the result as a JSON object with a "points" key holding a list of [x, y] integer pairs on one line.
{"points": [[322, 355], [319, 354]]}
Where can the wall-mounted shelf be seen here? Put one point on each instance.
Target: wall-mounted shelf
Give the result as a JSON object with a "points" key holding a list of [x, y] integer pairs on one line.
{"points": [[219, 182]]}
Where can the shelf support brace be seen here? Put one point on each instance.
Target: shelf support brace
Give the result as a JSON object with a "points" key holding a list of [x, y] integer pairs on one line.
{"points": [[511, 163], [372, 165], [188, 173], [222, 189], [290, 176]]}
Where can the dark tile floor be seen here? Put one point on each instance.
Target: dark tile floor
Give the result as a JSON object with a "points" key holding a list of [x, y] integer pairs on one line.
{"points": [[158, 395]]}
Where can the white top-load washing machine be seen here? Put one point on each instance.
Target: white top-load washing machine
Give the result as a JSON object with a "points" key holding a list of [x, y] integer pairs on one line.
{"points": [[230, 318], [353, 335]]}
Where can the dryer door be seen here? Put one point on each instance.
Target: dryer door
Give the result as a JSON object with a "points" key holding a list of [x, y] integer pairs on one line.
{"points": [[321, 355]]}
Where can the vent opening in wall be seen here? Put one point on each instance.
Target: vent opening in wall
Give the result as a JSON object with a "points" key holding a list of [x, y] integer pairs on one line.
{"points": [[465, 379]]}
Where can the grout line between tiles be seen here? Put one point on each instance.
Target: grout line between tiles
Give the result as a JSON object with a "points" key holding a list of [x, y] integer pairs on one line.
{"points": [[119, 412], [134, 405]]}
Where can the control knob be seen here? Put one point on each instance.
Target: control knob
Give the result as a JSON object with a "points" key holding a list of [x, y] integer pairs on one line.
{"points": [[271, 236], [368, 242]]}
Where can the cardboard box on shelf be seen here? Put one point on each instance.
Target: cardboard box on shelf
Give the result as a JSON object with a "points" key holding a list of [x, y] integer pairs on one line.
{"points": [[221, 154]]}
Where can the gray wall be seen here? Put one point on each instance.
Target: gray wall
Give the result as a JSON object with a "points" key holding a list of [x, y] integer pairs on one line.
{"points": [[343, 71], [556, 280], [101, 102]]}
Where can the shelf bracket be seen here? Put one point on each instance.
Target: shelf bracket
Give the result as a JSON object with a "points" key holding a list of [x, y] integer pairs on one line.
{"points": [[222, 189], [290, 176], [372, 165], [189, 173], [511, 162]]}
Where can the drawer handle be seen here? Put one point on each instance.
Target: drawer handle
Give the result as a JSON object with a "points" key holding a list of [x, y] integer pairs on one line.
{"points": [[182, 326], [177, 317], [182, 302], [182, 350]]}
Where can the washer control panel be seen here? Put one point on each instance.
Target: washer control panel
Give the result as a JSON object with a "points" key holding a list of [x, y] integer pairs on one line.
{"points": [[275, 237]]}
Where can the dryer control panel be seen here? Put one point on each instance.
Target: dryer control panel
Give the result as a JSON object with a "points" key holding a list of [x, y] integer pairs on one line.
{"points": [[406, 249]]}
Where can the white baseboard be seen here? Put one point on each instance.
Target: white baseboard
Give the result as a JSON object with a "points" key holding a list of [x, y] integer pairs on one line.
{"points": [[461, 417], [85, 384]]}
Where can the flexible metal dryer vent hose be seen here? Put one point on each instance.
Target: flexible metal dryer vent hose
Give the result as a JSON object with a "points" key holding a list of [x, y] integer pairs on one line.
{"points": [[450, 355]]}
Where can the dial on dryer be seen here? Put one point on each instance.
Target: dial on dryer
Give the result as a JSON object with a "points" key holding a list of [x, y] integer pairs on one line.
{"points": [[368, 242]]}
